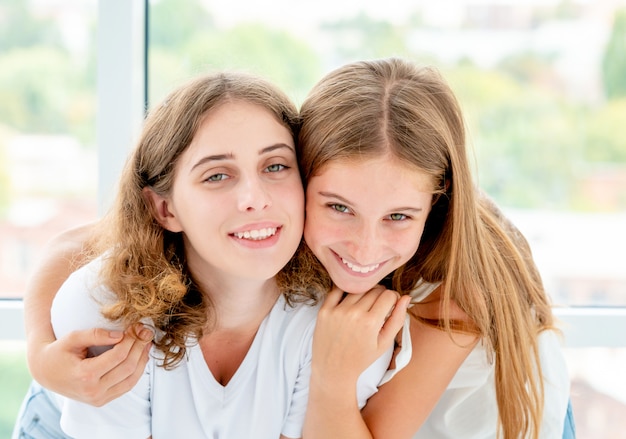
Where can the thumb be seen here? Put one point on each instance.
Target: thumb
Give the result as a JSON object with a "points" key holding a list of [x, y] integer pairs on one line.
{"points": [[394, 322]]}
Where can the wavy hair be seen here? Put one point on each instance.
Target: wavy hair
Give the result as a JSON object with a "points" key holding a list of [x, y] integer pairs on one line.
{"points": [[145, 264], [391, 106]]}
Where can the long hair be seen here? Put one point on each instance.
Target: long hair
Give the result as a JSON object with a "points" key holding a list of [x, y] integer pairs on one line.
{"points": [[391, 106], [144, 263]]}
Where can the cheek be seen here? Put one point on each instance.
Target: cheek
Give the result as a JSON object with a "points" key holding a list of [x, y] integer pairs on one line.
{"points": [[291, 195], [319, 230], [405, 244]]}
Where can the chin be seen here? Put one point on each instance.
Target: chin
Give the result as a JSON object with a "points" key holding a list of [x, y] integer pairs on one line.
{"points": [[356, 287]]}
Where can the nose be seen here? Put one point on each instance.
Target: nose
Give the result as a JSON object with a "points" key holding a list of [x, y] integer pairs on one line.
{"points": [[367, 243], [252, 194]]}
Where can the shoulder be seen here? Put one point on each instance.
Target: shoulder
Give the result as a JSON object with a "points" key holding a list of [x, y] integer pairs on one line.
{"points": [[77, 305], [291, 326], [301, 314], [429, 305]]}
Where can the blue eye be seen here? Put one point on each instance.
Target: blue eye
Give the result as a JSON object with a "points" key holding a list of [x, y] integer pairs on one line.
{"points": [[275, 168]]}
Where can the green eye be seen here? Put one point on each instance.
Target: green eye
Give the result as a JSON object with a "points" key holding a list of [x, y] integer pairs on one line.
{"points": [[397, 216], [217, 177], [275, 168], [339, 208]]}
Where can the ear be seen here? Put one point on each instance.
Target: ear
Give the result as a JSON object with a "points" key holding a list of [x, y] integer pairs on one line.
{"points": [[160, 209]]}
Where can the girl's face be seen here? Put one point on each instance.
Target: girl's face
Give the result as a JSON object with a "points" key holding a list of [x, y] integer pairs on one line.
{"points": [[237, 195], [365, 218]]}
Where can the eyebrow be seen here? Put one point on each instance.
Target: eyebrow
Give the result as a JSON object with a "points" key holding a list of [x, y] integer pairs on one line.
{"points": [[230, 156], [344, 201]]}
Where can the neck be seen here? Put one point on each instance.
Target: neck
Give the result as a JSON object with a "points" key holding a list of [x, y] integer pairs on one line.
{"points": [[239, 303]]}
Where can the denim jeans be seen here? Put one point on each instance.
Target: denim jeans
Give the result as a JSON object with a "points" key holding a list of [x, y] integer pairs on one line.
{"points": [[39, 416], [569, 431]]}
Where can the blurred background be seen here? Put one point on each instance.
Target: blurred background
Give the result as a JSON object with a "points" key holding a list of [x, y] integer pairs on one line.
{"points": [[542, 84]]}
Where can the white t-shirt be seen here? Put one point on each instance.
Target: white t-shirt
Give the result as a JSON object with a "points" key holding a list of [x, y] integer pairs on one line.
{"points": [[265, 398], [468, 408]]}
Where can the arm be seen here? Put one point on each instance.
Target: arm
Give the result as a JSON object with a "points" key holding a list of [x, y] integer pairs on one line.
{"points": [[78, 305], [62, 365], [350, 335], [401, 405]]}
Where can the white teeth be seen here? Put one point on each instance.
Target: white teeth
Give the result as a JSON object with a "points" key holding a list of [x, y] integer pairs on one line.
{"points": [[358, 268], [256, 235]]}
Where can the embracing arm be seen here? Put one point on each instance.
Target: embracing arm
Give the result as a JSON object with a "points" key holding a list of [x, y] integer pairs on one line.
{"points": [[62, 365]]}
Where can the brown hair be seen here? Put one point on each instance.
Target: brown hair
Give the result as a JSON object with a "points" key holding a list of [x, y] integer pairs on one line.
{"points": [[145, 264], [391, 106]]}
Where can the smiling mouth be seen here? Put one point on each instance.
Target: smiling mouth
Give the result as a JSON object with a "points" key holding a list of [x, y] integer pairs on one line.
{"points": [[360, 268], [256, 235]]}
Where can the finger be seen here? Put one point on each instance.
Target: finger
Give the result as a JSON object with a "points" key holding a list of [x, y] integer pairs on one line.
{"points": [[385, 301], [364, 301], [126, 375], [333, 298], [135, 359], [394, 322], [80, 340], [106, 361]]}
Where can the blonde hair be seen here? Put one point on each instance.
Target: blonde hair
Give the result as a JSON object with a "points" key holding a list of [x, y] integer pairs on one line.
{"points": [[391, 106], [145, 264]]}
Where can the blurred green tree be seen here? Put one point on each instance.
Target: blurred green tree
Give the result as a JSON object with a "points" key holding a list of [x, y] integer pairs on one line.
{"points": [[614, 60], [20, 28]]}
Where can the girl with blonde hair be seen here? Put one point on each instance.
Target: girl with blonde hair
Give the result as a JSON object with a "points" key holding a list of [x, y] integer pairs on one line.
{"points": [[390, 198]]}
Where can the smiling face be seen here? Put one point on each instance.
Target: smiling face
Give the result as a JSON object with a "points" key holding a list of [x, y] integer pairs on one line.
{"points": [[237, 195], [365, 218]]}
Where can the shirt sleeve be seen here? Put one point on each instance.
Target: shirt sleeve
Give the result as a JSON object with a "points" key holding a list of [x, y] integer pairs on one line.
{"points": [[77, 306], [369, 381]]}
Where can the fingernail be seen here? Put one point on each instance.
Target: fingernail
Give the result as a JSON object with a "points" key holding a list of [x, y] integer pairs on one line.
{"points": [[146, 334]]}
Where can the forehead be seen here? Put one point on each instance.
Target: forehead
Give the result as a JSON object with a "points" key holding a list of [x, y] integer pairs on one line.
{"points": [[235, 120], [387, 169], [236, 128]]}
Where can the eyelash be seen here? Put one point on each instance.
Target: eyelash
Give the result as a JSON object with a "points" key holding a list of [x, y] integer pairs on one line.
{"points": [[221, 176], [339, 208], [344, 209], [280, 165], [404, 217], [212, 179]]}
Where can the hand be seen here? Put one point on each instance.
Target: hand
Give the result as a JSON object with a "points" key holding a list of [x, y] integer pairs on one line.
{"points": [[63, 365], [353, 331]]}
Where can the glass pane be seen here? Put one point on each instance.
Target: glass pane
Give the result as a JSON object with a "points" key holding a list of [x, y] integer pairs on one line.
{"points": [[539, 82], [598, 396], [14, 381], [48, 164], [543, 88]]}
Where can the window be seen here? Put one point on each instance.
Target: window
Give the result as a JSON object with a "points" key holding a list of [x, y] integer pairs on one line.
{"points": [[48, 163], [537, 80]]}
